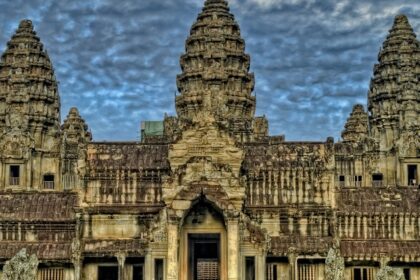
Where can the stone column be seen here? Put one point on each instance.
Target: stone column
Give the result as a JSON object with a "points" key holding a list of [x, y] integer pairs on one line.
{"points": [[261, 266], [148, 265], [383, 260], [292, 266], [76, 253], [77, 269], [121, 263], [233, 249], [172, 266]]}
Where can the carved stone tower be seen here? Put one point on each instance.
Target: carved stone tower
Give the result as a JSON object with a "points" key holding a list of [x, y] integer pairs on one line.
{"points": [[356, 127], [75, 140], [215, 79], [394, 90], [394, 99], [29, 112]]}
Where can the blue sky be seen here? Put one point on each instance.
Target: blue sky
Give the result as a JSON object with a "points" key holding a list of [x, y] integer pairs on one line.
{"points": [[117, 60]]}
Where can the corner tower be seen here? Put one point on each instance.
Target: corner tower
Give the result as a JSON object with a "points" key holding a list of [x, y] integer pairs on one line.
{"points": [[28, 86], [215, 79], [29, 112], [394, 91], [394, 103]]}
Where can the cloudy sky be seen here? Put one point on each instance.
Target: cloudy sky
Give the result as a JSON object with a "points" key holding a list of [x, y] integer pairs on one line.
{"points": [[117, 60]]}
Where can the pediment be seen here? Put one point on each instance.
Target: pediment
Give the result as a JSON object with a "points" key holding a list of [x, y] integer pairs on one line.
{"points": [[16, 145], [209, 142]]}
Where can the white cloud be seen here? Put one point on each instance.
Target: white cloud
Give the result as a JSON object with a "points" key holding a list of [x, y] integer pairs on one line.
{"points": [[265, 4]]}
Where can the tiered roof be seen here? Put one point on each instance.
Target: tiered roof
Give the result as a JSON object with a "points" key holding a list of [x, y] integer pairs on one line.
{"points": [[75, 128], [395, 82], [215, 69], [28, 87], [357, 125]]}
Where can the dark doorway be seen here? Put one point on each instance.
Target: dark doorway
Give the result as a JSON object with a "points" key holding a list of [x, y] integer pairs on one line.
{"points": [[249, 268], [412, 174], [377, 180], [107, 272], [138, 272], [14, 175], [159, 269], [407, 273], [204, 256]]}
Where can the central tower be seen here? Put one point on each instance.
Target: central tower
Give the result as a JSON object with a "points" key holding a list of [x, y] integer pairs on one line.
{"points": [[215, 79]]}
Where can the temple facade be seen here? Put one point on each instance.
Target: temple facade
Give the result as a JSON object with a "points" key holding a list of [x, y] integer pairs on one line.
{"points": [[208, 194]]}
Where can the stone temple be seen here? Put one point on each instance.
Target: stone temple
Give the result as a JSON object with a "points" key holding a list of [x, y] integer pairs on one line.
{"points": [[208, 194]]}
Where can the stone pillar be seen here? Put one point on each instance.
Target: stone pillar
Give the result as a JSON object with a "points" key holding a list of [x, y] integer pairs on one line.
{"points": [[77, 269], [121, 263], [148, 265], [293, 266], [383, 260], [172, 266], [76, 253], [233, 249], [261, 266]]}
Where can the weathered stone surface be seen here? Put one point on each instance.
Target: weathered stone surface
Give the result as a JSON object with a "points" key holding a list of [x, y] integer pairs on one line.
{"points": [[394, 90], [356, 127], [389, 273], [393, 100], [285, 203], [215, 78], [29, 110], [27, 77], [334, 269], [21, 267]]}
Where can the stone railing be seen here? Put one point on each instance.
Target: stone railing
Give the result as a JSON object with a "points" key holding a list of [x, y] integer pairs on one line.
{"points": [[48, 185], [69, 181], [123, 192], [377, 183], [14, 181]]}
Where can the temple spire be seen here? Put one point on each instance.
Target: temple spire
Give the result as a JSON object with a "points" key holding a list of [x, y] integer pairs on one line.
{"points": [[400, 31], [215, 3], [28, 86], [393, 95], [25, 26], [356, 127], [215, 79], [75, 128]]}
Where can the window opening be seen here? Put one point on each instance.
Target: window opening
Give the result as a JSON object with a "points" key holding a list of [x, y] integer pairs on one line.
{"points": [[158, 269], [14, 175], [249, 268], [107, 272], [341, 180], [377, 180], [138, 272], [308, 272], [49, 182], [363, 273], [51, 274], [271, 271], [358, 180], [412, 174]]}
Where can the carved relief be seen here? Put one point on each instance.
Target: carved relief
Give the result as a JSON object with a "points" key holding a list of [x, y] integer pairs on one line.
{"points": [[16, 145], [206, 141]]}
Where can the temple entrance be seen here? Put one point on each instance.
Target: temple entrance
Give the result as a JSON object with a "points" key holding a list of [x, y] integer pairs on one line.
{"points": [[203, 244], [204, 256]]}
